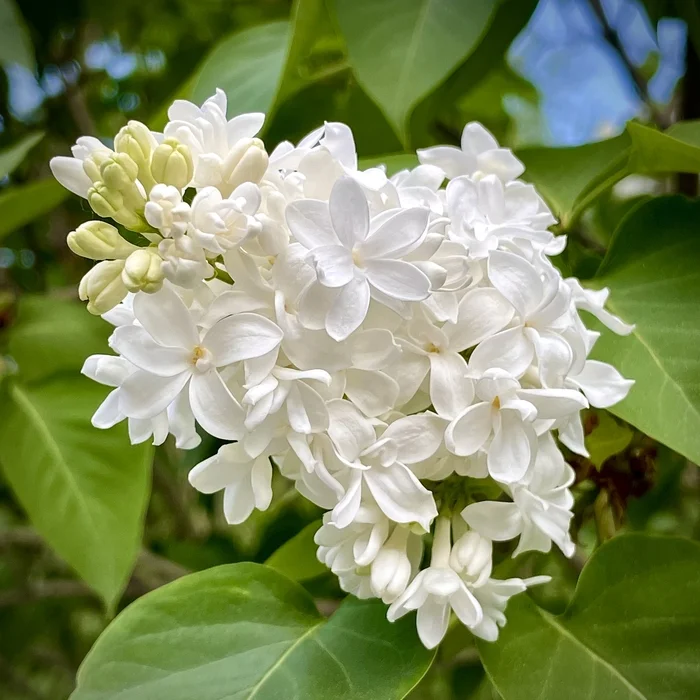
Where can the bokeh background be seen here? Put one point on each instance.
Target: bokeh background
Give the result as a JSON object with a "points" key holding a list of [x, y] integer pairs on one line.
{"points": [[575, 72]]}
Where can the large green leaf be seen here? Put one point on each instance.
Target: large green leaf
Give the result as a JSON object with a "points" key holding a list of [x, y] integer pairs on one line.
{"points": [[314, 49], [632, 630], [11, 157], [22, 204], [245, 631], [570, 178], [653, 271], [296, 558], [84, 490], [401, 50], [15, 43], [53, 335], [675, 150], [247, 67]]}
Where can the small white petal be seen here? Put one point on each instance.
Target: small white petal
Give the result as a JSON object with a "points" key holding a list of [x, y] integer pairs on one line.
{"points": [[349, 212], [215, 408], [348, 310], [398, 279], [470, 430], [241, 337]]}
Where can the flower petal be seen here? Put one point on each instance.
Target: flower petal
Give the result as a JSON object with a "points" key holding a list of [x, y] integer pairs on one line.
{"points": [[494, 520], [310, 223], [348, 310], [517, 280], [482, 312], [398, 235], [145, 395], [432, 620], [602, 384], [398, 279], [349, 212], [215, 408], [166, 318], [333, 264], [372, 391], [510, 452], [241, 337], [509, 350], [451, 391], [139, 348], [470, 430]]}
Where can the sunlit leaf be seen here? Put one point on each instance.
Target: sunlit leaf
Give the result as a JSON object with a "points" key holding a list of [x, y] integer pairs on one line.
{"points": [[85, 490]]}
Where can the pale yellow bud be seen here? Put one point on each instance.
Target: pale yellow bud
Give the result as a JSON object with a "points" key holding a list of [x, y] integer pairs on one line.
{"points": [[172, 164], [93, 163], [104, 200], [102, 287], [246, 162], [119, 172], [143, 271], [136, 140], [98, 240]]}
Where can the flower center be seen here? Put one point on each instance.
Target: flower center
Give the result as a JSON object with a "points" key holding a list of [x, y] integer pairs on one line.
{"points": [[431, 347], [357, 258], [201, 358]]}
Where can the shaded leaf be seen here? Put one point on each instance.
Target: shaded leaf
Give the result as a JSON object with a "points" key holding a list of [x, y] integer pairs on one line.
{"points": [[54, 335], [15, 43], [296, 558], [244, 631], [22, 204], [393, 162], [85, 490], [607, 439], [675, 150], [570, 178], [401, 50], [11, 157], [653, 271], [631, 630]]}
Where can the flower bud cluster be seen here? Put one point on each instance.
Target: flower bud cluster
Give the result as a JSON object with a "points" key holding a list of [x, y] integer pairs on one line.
{"points": [[383, 342]]}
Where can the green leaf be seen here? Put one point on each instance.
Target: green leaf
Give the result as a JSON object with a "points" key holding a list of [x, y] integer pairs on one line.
{"points": [[296, 558], [607, 439], [54, 335], [15, 42], [653, 271], [570, 178], [23, 204], [631, 630], [11, 157], [245, 631], [401, 50], [84, 490], [675, 150], [314, 50], [247, 67], [393, 162]]}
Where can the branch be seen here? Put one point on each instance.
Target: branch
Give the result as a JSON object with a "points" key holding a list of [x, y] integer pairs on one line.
{"points": [[640, 82]]}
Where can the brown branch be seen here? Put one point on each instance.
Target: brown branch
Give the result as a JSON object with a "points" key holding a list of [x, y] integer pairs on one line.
{"points": [[640, 82]]}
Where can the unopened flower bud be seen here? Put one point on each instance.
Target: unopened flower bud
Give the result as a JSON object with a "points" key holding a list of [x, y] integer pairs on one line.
{"points": [[172, 164], [102, 287], [98, 240], [104, 200], [246, 162], [93, 163], [136, 140], [471, 556], [119, 171], [143, 271], [391, 568]]}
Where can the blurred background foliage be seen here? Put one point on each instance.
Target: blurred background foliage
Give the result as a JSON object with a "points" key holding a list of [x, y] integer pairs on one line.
{"points": [[541, 75]]}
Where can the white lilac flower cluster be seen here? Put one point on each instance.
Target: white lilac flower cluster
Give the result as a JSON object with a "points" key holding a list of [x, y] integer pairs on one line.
{"points": [[403, 352]]}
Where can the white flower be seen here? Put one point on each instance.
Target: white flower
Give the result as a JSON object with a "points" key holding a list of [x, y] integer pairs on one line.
{"points": [[395, 564], [479, 155], [374, 464], [220, 224], [246, 482], [505, 414], [541, 509], [166, 211], [171, 353], [354, 261], [184, 262], [70, 172], [225, 152], [435, 591]]}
